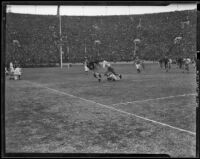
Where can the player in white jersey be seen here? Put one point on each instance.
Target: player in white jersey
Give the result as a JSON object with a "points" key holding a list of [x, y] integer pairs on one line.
{"points": [[85, 65], [170, 63], [138, 65], [11, 68], [105, 64], [187, 61]]}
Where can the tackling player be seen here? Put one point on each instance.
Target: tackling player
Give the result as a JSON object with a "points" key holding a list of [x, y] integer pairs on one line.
{"points": [[110, 73]]}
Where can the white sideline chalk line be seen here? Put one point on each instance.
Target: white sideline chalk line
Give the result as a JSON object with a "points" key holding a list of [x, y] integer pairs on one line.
{"points": [[118, 110], [146, 100]]}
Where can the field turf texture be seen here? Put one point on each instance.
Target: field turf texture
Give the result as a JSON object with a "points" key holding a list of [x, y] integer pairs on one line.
{"points": [[69, 111]]}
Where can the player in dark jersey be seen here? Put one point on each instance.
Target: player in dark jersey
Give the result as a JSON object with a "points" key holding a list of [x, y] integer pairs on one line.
{"points": [[180, 62], [161, 63], [138, 64], [166, 63], [93, 66]]}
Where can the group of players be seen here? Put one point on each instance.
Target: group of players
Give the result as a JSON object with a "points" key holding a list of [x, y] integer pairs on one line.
{"points": [[103, 68], [182, 63]]}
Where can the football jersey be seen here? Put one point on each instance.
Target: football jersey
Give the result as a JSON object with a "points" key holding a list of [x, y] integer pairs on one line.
{"points": [[105, 64], [137, 61], [188, 60]]}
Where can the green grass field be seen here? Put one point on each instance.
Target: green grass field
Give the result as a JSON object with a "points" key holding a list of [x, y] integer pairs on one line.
{"points": [[67, 110]]}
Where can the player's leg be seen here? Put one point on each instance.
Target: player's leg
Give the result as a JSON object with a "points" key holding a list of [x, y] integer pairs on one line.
{"points": [[86, 69], [109, 76], [120, 76], [181, 65], [183, 68], [138, 70], [11, 75], [167, 67], [113, 77], [187, 67], [97, 75]]}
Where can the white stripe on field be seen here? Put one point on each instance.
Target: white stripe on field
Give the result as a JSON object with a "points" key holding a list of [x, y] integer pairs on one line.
{"points": [[146, 100], [112, 108]]}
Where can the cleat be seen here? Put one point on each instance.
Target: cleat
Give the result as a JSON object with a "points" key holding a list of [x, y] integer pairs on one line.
{"points": [[120, 76]]}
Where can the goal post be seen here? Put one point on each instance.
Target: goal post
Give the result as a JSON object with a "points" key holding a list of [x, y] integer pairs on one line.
{"points": [[60, 34]]}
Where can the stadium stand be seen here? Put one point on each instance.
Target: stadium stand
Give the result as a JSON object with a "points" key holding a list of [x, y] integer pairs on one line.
{"points": [[32, 40]]}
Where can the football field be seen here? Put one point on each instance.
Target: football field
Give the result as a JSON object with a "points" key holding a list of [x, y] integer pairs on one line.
{"points": [[69, 111]]}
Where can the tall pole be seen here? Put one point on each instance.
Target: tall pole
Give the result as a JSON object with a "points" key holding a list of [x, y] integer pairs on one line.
{"points": [[60, 31]]}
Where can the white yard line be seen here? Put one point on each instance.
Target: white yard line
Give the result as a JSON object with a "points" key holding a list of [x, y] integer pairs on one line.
{"points": [[161, 98], [112, 108]]}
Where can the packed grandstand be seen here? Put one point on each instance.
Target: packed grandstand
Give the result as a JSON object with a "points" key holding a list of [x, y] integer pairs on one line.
{"points": [[33, 40]]}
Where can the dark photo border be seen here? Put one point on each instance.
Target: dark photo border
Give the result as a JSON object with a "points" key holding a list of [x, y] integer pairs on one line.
{"points": [[109, 3]]}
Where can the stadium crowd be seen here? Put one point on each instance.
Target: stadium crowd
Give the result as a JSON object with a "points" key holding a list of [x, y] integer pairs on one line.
{"points": [[33, 40]]}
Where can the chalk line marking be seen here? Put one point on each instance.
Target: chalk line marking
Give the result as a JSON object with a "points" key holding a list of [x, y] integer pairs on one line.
{"points": [[152, 99], [112, 108]]}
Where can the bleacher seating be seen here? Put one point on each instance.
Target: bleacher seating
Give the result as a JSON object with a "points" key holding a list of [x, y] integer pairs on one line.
{"points": [[36, 37]]}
